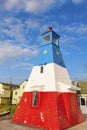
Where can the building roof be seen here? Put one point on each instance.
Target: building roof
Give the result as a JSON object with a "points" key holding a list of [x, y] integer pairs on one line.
{"points": [[50, 30], [23, 81], [10, 85]]}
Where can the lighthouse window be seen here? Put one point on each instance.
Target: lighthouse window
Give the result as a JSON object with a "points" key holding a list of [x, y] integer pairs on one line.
{"points": [[55, 40], [41, 69], [47, 39], [35, 98]]}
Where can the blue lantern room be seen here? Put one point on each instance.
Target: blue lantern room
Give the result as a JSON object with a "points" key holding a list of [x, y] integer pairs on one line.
{"points": [[50, 37], [49, 51]]}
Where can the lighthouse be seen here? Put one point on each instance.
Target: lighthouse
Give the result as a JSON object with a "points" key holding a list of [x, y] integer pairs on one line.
{"points": [[49, 99]]}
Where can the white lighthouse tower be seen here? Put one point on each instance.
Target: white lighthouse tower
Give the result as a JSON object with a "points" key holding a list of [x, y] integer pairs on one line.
{"points": [[49, 100]]}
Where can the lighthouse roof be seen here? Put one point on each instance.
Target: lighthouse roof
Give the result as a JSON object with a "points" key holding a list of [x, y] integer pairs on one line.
{"points": [[50, 30]]}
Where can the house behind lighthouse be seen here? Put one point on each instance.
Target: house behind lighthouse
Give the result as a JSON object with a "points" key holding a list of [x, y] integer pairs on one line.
{"points": [[49, 100]]}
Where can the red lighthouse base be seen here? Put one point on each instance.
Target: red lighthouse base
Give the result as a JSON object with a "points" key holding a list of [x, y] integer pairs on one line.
{"points": [[55, 111]]}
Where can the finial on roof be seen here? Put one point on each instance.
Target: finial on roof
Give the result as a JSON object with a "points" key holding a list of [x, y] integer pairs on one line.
{"points": [[50, 29]]}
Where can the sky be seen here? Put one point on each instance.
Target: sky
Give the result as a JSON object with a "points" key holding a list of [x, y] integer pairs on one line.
{"points": [[21, 24]]}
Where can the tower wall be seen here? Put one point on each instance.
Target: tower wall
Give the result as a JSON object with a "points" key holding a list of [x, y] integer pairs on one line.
{"points": [[55, 110], [53, 75], [49, 100]]}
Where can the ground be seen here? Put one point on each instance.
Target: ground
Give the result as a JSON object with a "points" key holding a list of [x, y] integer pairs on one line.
{"points": [[7, 124]]}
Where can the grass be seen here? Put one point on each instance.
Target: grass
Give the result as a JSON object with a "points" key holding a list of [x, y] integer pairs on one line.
{"points": [[8, 107]]}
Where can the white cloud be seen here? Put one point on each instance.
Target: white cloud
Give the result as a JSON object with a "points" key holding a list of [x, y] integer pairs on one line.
{"points": [[80, 29], [17, 40], [9, 4], [44, 28], [36, 6], [66, 40], [33, 6], [23, 65], [19, 30], [16, 33], [30, 23], [9, 51], [63, 16], [14, 29]]}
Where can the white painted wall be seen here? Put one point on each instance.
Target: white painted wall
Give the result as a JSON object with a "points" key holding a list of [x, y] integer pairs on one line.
{"points": [[62, 80], [83, 107], [52, 79], [41, 81]]}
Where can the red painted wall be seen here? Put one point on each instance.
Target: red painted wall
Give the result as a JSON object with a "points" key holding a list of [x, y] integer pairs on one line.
{"points": [[55, 111]]}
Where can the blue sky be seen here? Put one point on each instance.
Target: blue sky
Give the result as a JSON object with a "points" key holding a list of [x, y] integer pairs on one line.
{"points": [[23, 21]]}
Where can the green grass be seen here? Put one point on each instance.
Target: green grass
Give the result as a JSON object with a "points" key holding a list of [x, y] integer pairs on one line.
{"points": [[10, 108]]}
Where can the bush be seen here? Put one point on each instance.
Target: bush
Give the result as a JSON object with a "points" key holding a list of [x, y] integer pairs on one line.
{"points": [[10, 108]]}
